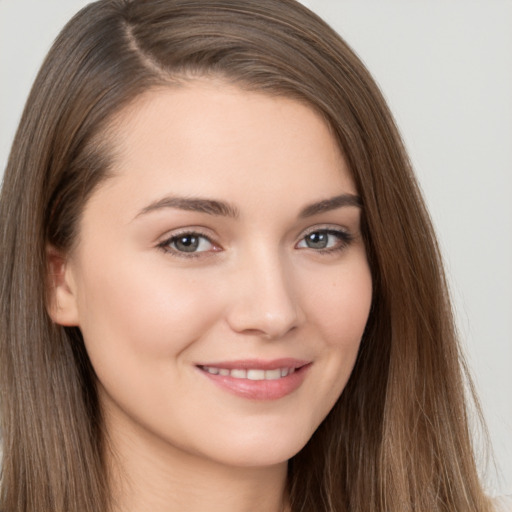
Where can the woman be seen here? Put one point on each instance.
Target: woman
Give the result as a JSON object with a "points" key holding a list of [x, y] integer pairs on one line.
{"points": [[220, 286]]}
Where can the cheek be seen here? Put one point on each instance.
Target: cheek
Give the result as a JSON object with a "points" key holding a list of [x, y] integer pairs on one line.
{"points": [[136, 310], [339, 310], [341, 304]]}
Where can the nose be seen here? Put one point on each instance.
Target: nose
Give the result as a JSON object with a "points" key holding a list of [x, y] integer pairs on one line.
{"points": [[265, 302]]}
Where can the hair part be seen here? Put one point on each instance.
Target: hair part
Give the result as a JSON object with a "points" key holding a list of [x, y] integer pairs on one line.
{"points": [[398, 437]]}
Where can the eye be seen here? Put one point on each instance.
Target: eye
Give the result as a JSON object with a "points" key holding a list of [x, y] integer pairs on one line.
{"points": [[188, 243], [325, 240]]}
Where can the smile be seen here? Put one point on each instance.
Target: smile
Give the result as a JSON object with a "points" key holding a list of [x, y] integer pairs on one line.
{"points": [[251, 374], [258, 380]]}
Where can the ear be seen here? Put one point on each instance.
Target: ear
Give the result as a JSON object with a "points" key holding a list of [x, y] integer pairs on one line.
{"points": [[62, 304]]}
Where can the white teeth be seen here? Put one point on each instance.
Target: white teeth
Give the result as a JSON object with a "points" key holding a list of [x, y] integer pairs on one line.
{"points": [[251, 374], [255, 374], [272, 374]]}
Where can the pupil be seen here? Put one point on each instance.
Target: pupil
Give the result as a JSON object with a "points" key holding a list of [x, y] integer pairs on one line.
{"points": [[188, 243], [317, 240]]}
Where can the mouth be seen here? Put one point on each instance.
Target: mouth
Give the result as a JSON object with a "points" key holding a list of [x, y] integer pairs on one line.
{"points": [[251, 374], [257, 380]]}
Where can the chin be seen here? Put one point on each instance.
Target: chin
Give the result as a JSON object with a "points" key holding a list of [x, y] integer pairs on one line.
{"points": [[262, 449]]}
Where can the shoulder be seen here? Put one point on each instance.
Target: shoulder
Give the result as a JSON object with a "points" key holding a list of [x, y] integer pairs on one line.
{"points": [[502, 504]]}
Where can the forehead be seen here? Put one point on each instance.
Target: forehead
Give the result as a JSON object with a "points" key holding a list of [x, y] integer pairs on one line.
{"points": [[215, 139]]}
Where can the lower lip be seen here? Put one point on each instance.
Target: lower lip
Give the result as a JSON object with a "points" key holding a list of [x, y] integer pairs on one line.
{"points": [[260, 389]]}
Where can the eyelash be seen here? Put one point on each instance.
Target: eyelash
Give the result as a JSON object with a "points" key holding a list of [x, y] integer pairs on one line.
{"points": [[166, 244], [344, 240]]}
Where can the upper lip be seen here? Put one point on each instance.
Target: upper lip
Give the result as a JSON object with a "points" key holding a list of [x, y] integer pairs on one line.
{"points": [[257, 364]]}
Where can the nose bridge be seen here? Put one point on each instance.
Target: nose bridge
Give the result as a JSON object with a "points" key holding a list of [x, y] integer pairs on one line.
{"points": [[264, 302]]}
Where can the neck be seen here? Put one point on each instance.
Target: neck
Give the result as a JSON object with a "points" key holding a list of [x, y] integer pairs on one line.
{"points": [[148, 475]]}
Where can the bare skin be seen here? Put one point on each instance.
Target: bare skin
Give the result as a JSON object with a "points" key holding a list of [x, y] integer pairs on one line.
{"points": [[222, 288]]}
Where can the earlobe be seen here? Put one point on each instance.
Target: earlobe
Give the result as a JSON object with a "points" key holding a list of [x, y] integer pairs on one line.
{"points": [[61, 294]]}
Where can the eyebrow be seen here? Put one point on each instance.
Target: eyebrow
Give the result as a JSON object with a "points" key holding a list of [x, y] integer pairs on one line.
{"points": [[209, 206], [221, 208], [331, 204]]}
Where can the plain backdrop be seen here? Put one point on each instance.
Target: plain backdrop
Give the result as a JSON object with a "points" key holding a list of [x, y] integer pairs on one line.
{"points": [[446, 70]]}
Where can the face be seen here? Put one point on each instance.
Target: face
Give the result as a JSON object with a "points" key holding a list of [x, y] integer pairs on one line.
{"points": [[219, 278]]}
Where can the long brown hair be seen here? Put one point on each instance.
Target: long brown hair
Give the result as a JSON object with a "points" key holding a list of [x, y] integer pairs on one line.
{"points": [[398, 437]]}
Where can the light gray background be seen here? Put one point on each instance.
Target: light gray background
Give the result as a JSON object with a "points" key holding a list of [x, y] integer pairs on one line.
{"points": [[446, 70]]}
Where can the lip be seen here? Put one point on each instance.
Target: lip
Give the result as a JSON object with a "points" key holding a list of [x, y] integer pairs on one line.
{"points": [[258, 389]]}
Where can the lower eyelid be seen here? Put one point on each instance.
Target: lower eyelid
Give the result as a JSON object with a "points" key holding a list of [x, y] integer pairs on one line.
{"points": [[344, 238], [166, 244]]}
